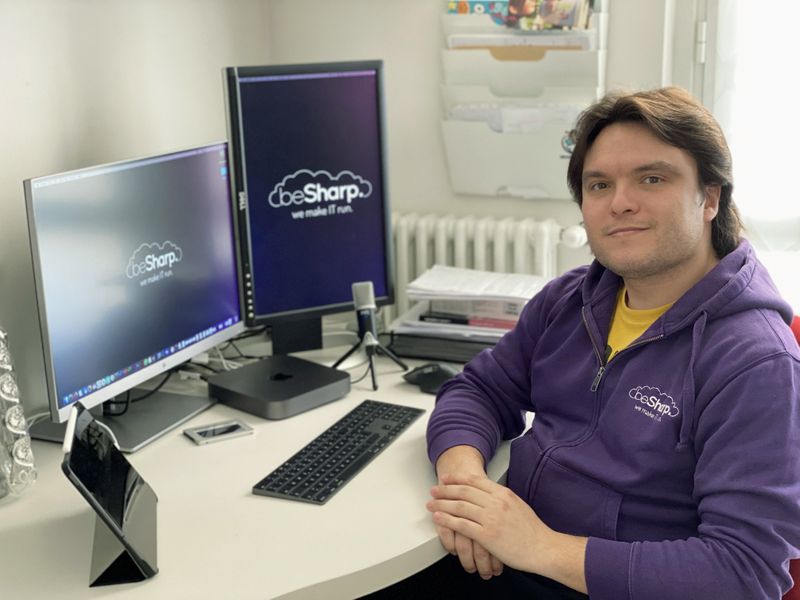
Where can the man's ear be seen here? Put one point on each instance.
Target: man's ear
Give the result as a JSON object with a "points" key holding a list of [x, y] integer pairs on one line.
{"points": [[711, 194]]}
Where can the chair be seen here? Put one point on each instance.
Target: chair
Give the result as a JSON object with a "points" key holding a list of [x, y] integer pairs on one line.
{"points": [[794, 566]]}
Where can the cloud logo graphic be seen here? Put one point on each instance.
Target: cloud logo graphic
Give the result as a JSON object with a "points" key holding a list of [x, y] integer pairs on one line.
{"points": [[151, 257], [656, 400], [314, 187]]}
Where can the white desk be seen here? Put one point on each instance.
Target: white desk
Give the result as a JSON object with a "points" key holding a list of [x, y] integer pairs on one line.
{"points": [[218, 540]]}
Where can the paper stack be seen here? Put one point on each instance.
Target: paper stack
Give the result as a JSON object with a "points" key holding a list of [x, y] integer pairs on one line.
{"points": [[458, 312]]}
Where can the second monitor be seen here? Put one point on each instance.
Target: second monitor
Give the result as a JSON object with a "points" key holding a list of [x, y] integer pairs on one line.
{"points": [[308, 151], [309, 180]]}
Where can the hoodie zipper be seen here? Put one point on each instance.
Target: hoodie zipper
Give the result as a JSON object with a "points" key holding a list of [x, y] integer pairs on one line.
{"points": [[533, 480], [604, 363], [600, 359], [546, 452], [596, 383]]}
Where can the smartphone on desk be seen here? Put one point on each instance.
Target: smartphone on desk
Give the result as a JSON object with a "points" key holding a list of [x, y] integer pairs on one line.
{"points": [[215, 432]]}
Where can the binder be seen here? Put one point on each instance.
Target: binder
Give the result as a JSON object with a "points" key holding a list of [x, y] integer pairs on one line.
{"points": [[449, 349]]}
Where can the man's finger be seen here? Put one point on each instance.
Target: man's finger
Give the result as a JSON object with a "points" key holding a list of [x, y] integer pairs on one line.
{"points": [[457, 508], [448, 539], [465, 555], [464, 527], [483, 561], [497, 566]]}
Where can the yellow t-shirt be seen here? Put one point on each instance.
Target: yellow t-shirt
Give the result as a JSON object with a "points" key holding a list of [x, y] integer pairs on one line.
{"points": [[628, 324]]}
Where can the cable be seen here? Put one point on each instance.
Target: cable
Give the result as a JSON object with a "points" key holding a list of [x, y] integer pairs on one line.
{"points": [[128, 400], [244, 336], [201, 365], [243, 355], [41, 416], [252, 333], [226, 364], [352, 381], [155, 389]]}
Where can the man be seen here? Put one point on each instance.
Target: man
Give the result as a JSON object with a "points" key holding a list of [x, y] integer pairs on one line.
{"points": [[663, 457]]}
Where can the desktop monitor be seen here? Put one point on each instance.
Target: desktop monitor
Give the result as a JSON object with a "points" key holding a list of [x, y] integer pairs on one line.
{"points": [[135, 272], [309, 174]]}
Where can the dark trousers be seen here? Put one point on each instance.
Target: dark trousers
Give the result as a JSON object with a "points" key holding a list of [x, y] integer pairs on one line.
{"points": [[447, 579]]}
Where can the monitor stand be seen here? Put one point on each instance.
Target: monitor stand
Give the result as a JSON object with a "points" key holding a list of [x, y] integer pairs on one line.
{"points": [[144, 422]]}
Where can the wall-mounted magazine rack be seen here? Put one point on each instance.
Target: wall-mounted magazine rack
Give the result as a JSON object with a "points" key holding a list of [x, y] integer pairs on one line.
{"points": [[485, 162], [460, 95], [556, 68], [490, 73]]}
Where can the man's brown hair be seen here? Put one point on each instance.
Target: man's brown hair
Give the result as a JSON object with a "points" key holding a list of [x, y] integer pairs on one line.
{"points": [[678, 119]]}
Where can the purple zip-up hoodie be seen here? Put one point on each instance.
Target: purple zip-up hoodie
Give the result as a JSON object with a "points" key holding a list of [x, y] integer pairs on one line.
{"points": [[679, 458]]}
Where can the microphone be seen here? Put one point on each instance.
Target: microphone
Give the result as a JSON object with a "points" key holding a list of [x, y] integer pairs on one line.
{"points": [[364, 304], [364, 301]]}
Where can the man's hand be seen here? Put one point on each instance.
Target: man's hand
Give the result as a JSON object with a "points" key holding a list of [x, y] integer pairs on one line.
{"points": [[473, 556], [507, 527]]}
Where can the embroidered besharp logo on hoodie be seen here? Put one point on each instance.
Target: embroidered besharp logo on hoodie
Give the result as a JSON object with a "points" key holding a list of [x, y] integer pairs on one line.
{"points": [[652, 402]]}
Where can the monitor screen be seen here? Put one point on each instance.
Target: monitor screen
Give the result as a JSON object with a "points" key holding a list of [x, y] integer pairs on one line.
{"points": [[307, 145], [135, 270]]}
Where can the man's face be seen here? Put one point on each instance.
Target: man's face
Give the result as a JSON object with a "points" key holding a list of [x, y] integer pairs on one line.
{"points": [[643, 208]]}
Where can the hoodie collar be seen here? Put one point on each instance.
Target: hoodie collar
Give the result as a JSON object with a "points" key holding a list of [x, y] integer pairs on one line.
{"points": [[737, 283]]}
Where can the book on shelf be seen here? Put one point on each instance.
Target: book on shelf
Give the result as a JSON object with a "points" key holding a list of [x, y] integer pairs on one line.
{"points": [[442, 282], [506, 310], [451, 349], [528, 15], [458, 312], [471, 320], [466, 302], [414, 322], [496, 9], [531, 15]]}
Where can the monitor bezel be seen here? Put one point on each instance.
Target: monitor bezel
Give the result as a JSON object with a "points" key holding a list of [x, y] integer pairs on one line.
{"points": [[231, 77], [60, 414]]}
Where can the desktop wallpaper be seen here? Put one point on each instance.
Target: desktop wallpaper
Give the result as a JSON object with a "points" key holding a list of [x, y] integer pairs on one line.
{"points": [[312, 156], [135, 259]]}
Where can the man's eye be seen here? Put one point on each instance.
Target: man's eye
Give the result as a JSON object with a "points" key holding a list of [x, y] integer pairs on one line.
{"points": [[598, 185], [653, 179]]}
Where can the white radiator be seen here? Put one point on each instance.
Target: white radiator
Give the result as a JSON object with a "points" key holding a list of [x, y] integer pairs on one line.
{"points": [[489, 244]]}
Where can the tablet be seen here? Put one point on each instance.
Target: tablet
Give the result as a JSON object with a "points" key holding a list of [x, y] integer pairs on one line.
{"points": [[125, 526]]}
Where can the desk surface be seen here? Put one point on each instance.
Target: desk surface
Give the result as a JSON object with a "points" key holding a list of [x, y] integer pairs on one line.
{"points": [[215, 538]]}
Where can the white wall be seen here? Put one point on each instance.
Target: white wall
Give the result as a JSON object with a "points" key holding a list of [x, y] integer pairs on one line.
{"points": [[93, 81], [407, 36]]}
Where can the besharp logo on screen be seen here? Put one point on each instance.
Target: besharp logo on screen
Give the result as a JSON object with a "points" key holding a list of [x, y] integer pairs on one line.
{"points": [[311, 194], [153, 262]]}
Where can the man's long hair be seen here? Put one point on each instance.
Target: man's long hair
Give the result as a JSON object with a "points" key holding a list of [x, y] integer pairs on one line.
{"points": [[678, 119]]}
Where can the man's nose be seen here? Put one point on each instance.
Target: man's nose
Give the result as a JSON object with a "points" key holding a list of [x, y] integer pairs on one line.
{"points": [[624, 199]]}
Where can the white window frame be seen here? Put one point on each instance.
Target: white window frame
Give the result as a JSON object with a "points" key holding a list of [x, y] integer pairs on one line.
{"points": [[695, 54]]}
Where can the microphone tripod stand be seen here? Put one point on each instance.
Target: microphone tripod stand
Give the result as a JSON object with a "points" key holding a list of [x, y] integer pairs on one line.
{"points": [[371, 347]]}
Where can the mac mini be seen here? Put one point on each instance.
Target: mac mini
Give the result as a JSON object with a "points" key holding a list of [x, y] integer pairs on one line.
{"points": [[279, 386]]}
